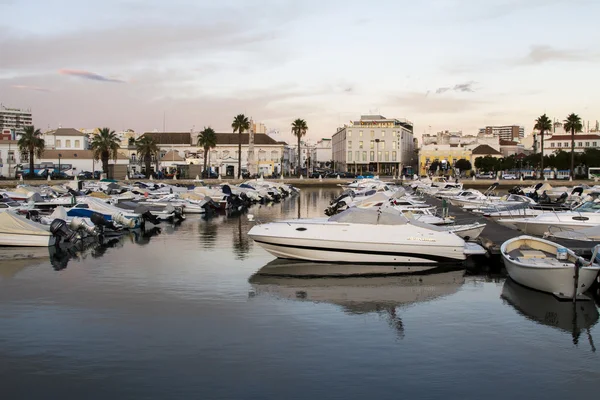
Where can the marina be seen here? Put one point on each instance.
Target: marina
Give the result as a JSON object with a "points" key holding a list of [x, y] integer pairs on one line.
{"points": [[199, 294]]}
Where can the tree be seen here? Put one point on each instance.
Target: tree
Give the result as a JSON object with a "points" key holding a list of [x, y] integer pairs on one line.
{"points": [[207, 140], [487, 163], [463, 165], [32, 144], [146, 148], [240, 124], [434, 166], [543, 124], [573, 124], [299, 129], [105, 146]]}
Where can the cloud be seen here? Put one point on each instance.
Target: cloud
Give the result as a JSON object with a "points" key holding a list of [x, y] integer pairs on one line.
{"points": [[424, 104], [466, 87], [28, 87], [539, 54], [88, 75]]}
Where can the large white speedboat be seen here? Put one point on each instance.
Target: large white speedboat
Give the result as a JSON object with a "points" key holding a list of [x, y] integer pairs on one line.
{"points": [[362, 236], [553, 221], [535, 263]]}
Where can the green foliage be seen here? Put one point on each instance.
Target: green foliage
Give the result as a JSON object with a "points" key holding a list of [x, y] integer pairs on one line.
{"points": [[299, 129], [434, 166], [463, 165], [487, 163], [240, 124], [105, 145], [146, 148], [31, 143], [207, 140]]}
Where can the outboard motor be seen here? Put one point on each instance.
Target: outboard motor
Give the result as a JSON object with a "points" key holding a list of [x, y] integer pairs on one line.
{"points": [[563, 197], [544, 199], [576, 191], [60, 229], [79, 224], [101, 223], [148, 216]]}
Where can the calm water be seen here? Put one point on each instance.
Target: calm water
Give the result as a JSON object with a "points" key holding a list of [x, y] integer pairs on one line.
{"points": [[182, 315]]}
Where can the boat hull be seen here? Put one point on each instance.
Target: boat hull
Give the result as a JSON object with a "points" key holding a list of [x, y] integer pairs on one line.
{"points": [[11, 239]]}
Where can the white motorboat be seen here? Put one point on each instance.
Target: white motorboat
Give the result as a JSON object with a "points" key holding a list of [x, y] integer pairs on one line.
{"points": [[535, 263], [16, 230], [553, 221], [362, 236]]}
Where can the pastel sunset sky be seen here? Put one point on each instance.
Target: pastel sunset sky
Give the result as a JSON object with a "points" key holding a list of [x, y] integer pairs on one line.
{"points": [[448, 64]]}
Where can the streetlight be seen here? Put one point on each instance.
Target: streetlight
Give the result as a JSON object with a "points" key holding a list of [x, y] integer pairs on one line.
{"points": [[59, 156], [377, 155]]}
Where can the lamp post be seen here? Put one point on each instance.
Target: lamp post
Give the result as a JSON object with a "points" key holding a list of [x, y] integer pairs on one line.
{"points": [[59, 156], [377, 155]]}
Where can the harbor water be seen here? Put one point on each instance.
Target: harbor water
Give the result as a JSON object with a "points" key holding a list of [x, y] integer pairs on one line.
{"points": [[185, 313]]}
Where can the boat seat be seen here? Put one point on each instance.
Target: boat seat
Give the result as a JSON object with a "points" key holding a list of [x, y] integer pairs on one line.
{"points": [[528, 254]]}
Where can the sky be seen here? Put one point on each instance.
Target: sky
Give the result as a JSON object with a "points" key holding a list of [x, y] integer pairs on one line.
{"points": [[186, 64]]}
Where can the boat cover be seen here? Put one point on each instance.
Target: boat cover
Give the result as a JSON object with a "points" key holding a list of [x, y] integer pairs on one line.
{"points": [[100, 206], [355, 215], [11, 223], [59, 213]]}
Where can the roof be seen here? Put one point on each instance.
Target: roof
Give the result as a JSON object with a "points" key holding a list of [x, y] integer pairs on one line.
{"points": [[170, 137], [508, 143], [577, 137], [233, 138], [172, 155], [74, 154], [67, 132], [485, 149]]}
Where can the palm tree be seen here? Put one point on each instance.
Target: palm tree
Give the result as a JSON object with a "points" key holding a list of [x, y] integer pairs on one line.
{"points": [[207, 140], [240, 124], [146, 147], [31, 143], [299, 129], [543, 124], [105, 145], [573, 124]]}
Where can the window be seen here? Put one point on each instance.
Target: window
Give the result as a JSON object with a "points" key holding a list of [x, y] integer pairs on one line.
{"points": [[357, 156], [349, 133], [551, 144], [594, 144], [11, 156], [372, 144], [379, 156], [566, 144], [394, 133], [360, 133], [133, 157], [382, 133], [68, 144], [360, 144], [579, 144], [387, 156], [587, 144], [274, 156], [57, 142], [559, 144], [349, 156], [394, 145], [349, 143], [427, 160], [372, 133], [77, 143], [372, 156], [393, 156]]}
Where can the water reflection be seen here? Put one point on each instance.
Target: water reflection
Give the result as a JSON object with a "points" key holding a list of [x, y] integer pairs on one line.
{"points": [[241, 241], [574, 318], [359, 295]]}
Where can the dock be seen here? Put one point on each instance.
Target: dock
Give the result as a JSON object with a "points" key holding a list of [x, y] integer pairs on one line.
{"points": [[495, 234]]}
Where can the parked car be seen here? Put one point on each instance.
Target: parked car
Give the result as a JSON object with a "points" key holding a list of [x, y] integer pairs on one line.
{"points": [[486, 175], [85, 175], [137, 175], [59, 175], [509, 176]]}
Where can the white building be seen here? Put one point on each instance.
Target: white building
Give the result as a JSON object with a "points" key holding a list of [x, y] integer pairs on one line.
{"points": [[14, 119], [322, 153], [223, 159], [10, 157], [66, 139], [374, 143], [563, 142], [504, 132], [74, 161]]}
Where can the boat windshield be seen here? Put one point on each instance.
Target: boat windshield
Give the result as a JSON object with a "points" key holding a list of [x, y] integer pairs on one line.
{"points": [[589, 206], [369, 217]]}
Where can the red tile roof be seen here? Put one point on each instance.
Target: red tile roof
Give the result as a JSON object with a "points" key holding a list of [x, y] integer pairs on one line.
{"points": [[577, 137]]}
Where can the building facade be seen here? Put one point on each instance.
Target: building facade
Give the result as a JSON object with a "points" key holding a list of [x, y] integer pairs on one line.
{"points": [[15, 119], [445, 154], [376, 144], [322, 153], [563, 142], [66, 139], [10, 157], [504, 132]]}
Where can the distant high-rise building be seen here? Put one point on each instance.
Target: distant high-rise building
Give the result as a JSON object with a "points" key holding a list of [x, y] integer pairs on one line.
{"points": [[14, 119], [505, 132]]}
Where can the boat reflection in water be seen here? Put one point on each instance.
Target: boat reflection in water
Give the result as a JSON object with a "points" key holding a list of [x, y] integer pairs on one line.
{"points": [[573, 318], [356, 295]]}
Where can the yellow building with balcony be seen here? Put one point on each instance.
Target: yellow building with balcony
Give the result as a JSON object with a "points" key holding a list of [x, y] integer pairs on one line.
{"points": [[446, 154]]}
